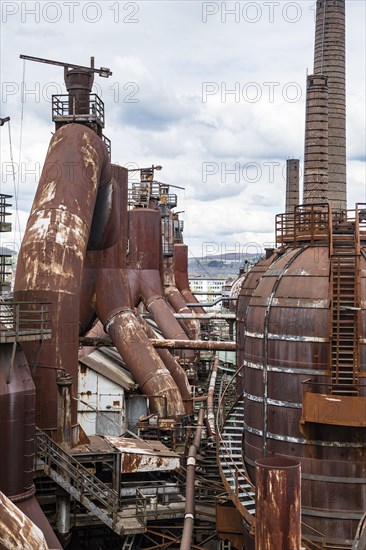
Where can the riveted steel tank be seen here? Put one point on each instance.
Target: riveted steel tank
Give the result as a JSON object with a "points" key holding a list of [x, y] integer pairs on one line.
{"points": [[284, 339], [17, 449]]}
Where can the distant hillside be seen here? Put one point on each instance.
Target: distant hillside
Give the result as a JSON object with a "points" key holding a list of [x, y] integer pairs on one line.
{"points": [[220, 266]]}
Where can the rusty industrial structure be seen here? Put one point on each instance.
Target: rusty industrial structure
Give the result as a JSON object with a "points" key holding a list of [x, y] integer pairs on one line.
{"points": [[132, 417]]}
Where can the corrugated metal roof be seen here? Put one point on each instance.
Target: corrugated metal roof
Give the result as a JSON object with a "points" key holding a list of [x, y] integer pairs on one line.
{"points": [[144, 456], [108, 363], [148, 447]]}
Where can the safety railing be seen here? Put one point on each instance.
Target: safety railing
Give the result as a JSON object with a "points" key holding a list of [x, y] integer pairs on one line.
{"points": [[238, 472], [86, 484], [312, 223], [4, 225], [168, 248], [24, 320], [108, 144], [285, 229], [315, 222], [65, 107], [311, 539], [308, 223]]}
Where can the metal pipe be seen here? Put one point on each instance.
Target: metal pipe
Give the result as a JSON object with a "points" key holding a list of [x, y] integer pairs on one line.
{"points": [[210, 304], [63, 524], [186, 542], [210, 345], [210, 399], [177, 372], [205, 316], [278, 504], [144, 262], [182, 311]]}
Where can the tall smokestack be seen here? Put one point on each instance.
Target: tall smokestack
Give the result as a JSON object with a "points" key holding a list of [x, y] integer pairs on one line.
{"points": [[330, 61], [292, 184], [316, 165]]}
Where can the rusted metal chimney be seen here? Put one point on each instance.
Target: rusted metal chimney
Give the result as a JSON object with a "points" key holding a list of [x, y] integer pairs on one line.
{"points": [[316, 166], [278, 504], [79, 83], [330, 61], [292, 184]]}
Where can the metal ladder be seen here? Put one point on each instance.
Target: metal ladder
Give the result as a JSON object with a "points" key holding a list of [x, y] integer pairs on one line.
{"points": [[345, 310], [128, 543]]}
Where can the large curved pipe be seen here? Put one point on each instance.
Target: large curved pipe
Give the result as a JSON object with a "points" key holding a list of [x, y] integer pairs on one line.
{"points": [[104, 232], [144, 272], [115, 311], [87, 315], [179, 305], [177, 372], [181, 275], [51, 257]]}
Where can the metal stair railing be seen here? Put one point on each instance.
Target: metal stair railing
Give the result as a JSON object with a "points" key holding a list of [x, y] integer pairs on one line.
{"points": [[239, 471], [70, 474]]}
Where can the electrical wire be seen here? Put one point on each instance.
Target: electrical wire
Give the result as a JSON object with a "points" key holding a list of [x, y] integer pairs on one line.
{"points": [[17, 219]]}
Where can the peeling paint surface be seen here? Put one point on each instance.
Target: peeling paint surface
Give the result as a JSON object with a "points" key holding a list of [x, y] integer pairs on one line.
{"points": [[144, 456], [16, 530]]}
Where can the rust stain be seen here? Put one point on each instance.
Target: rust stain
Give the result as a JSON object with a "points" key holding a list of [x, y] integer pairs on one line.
{"points": [[16, 530]]}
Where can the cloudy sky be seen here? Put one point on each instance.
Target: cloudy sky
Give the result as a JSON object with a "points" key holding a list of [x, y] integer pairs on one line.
{"points": [[212, 91]]}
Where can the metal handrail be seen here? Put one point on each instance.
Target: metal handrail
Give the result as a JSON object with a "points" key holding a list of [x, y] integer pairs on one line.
{"points": [[84, 482], [220, 422], [248, 517], [16, 317], [62, 107]]}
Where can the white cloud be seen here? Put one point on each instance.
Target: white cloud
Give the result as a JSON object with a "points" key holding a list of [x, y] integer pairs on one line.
{"points": [[168, 53]]}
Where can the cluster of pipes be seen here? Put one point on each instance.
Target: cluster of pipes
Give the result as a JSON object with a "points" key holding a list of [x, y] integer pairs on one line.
{"points": [[89, 257]]}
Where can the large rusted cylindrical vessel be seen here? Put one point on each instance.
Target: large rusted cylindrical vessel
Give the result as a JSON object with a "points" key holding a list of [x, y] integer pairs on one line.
{"points": [[114, 308], [284, 339], [50, 261], [17, 412], [79, 83], [278, 504]]}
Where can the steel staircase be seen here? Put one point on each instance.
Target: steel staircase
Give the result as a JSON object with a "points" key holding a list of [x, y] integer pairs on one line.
{"points": [[99, 499], [230, 429], [344, 319], [231, 464]]}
